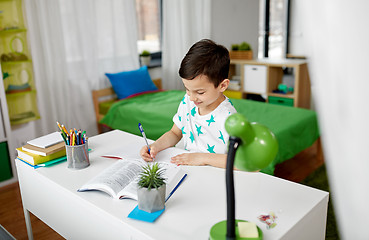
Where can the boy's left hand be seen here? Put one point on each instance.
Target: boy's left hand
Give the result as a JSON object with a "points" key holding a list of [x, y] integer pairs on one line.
{"points": [[194, 159]]}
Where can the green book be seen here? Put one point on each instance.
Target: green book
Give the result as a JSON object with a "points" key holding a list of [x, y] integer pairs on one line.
{"points": [[35, 159]]}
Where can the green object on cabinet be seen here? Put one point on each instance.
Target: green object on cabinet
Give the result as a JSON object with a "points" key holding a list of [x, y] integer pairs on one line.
{"points": [[5, 168], [281, 101]]}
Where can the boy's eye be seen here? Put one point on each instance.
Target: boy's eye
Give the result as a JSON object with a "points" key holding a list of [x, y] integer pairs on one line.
{"points": [[200, 93]]}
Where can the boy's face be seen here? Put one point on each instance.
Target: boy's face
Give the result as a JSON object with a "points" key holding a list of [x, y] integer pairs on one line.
{"points": [[203, 93]]}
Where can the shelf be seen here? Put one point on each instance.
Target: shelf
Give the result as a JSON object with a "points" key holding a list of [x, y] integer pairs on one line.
{"points": [[263, 76], [12, 31], [289, 95], [271, 62], [15, 62], [22, 107], [23, 118], [18, 94]]}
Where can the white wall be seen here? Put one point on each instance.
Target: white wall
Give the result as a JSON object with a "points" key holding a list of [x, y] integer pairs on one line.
{"points": [[336, 36], [235, 21]]}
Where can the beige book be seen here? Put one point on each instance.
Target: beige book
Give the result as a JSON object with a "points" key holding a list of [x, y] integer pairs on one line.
{"points": [[44, 151]]}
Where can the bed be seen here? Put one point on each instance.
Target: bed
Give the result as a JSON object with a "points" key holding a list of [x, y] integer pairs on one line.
{"points": [[295, 128]]}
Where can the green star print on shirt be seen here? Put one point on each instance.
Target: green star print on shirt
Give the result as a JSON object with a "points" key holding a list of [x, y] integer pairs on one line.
{"points": [[211, 149], [211, 120], [198, 129], [192, 137], [221, 136], [193, 111]]}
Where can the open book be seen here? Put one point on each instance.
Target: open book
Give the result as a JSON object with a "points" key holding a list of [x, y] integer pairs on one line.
{"points": [[120, 179]]}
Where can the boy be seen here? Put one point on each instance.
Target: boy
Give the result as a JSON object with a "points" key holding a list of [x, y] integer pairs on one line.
{"points": [[203, 110]]}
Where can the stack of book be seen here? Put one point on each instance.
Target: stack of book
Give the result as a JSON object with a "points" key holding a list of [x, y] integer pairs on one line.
{"points": [[43, 151]]}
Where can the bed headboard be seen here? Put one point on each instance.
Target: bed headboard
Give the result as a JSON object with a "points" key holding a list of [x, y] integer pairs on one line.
{"points": [[107, 94]]}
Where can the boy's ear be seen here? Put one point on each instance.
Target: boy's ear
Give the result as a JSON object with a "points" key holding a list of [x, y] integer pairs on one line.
{"points": [[224, 85]]}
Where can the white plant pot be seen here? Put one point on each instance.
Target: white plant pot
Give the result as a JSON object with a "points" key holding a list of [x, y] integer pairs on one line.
{"points": [[145, 60], [151, 200]]}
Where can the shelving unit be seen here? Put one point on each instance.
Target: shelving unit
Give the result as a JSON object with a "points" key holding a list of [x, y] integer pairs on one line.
{"points": [[18, 92], [262, 77], [16, 64]]}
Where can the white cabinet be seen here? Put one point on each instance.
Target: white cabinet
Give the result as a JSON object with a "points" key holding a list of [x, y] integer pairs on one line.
{"points": [[255, 79]]}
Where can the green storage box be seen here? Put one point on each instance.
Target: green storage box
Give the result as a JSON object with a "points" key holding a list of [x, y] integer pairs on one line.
{"points": [[22, 107], [11, 16], [18, 76], [280, 101], [5, 168]]}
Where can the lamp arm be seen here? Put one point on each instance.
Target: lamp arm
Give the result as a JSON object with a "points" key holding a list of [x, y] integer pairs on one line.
{"points": [[234, 142]]}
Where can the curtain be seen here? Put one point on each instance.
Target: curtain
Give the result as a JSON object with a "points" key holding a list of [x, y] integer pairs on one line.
{"points": [[184, 23], [73, 44], [337, 34]]}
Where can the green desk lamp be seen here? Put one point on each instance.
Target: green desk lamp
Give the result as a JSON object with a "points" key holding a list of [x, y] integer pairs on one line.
{"points": [[252, 147]]}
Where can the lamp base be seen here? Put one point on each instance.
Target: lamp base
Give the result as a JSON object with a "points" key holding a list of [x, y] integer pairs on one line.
{"points": [[219, 231]]}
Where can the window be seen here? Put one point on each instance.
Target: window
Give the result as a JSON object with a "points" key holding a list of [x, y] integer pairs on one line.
{"points": [[273, 36], [149, 25]]}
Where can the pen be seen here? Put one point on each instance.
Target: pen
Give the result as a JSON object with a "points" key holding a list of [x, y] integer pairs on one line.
{"points": [[113, 157], [74, 138], [174, 189], [57, 160], [84, 137], [143, 135]]}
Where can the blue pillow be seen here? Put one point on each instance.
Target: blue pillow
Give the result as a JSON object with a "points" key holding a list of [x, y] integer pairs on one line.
{"points": [[133, 82]]}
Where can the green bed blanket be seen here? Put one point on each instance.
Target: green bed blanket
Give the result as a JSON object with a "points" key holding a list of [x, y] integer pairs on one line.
{"points": [[295, 128]]}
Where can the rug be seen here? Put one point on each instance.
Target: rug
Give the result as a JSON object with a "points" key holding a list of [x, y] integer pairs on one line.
{"points": [[318, 179]]}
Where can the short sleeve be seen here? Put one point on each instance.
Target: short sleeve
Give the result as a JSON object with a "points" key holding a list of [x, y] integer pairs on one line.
{"points": [[179, 116]]}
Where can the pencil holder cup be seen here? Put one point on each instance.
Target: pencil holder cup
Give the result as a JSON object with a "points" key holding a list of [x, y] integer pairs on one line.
{"points": [[77, 156]]}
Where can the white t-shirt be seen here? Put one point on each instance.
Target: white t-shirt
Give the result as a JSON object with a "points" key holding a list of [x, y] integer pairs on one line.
{"points": [[203, 133]]}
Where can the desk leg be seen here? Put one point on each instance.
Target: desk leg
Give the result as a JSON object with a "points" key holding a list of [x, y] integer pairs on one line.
{"points": [[28, 223]]}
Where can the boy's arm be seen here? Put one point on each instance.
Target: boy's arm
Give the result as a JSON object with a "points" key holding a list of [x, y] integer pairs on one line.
{"points": [[168, 139], [200, 159]]}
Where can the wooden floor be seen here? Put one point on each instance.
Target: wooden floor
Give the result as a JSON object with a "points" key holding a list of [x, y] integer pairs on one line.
{"points": [[11, 211]]}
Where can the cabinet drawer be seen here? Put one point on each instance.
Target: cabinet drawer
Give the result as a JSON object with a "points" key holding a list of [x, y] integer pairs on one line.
{"points": [[280, 101], [255, 79], [233, 94]]}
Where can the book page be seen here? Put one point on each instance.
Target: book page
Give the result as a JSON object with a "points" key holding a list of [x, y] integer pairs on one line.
{"points": [[121, 179], [116, 177], [172, 175]]}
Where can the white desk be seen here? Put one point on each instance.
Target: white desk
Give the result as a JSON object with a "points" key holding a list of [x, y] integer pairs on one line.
{"points": [[200, 202]]}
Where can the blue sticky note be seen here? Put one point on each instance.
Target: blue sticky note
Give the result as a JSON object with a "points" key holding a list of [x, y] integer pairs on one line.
{"points": [[138, 214]]}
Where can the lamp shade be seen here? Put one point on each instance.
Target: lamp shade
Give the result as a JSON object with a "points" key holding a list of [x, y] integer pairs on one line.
{"points": [[258, 146]]}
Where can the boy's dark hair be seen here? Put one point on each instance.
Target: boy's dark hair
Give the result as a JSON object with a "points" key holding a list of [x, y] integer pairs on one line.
{"points": [[207, 58]]}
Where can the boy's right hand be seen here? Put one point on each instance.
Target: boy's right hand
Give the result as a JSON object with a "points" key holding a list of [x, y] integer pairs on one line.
{"points": [[148, 157]]}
